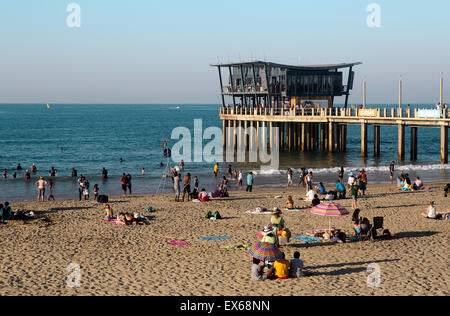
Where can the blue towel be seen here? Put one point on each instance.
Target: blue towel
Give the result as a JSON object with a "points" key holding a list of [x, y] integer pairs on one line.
{"points": [[216, 237], [306, 238]]}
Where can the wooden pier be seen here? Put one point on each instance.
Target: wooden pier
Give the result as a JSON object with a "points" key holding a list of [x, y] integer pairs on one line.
{"points": [[267, 95], [325, 129]]}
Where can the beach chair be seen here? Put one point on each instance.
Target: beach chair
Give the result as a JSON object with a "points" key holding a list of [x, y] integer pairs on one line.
{"points": [[366, 231]]}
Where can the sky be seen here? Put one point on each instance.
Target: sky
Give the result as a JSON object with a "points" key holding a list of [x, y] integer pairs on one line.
{"points": [[148, 51]]}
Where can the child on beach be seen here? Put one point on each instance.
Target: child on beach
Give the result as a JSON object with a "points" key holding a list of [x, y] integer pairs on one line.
{"points": [[296, 266], [258, 271], [51, 185], [95, 190], [108, 213], [432, 214], [354, 193], [290, 203]]}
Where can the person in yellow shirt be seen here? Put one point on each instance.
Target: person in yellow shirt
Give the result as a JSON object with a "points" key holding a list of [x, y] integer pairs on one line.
{"points": [[216, 169], [280, 269]]}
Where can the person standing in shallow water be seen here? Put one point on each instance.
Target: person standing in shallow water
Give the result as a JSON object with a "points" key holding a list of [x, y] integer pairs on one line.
{"points": [[41, 183], [104, 173], [128, 180], [123, 182]]}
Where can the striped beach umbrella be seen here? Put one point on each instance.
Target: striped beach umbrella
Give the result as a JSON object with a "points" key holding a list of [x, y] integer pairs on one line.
{"points": [[265, 252], [329, 209]]}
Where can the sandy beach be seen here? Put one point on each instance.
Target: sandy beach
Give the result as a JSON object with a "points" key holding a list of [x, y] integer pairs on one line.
{"points": [[138, 260]]}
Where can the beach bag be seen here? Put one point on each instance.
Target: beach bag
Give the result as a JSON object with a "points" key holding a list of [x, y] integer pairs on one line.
{"points": [[102, 199], [149, 209], [217, 215], [208, 215]]}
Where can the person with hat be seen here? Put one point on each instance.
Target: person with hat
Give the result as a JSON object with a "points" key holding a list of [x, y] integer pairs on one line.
{"points": [[277, 221], [269, 236], [351, 179]]}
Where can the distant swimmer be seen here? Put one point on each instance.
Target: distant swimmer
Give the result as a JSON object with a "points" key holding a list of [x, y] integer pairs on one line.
{"points": [[161, 164], [27, 175], [33, 168], [53, 172], [4, 174], [74, 172], [121, 160], [104, 173], [14, 175], [143, 171], [19, 167]]}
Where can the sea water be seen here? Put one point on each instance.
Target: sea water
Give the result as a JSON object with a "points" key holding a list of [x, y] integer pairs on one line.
{"points": [[88, 137]]}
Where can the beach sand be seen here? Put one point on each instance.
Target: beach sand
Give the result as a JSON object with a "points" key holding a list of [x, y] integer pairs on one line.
{"points": [[138, 260]]}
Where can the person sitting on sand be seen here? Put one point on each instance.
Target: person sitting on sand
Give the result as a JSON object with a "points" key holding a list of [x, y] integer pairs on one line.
{"points": [[356, 222], [139, 217], [321, 189], [108, 213], [290, 203], [280, 269], [7, 212], [418, 184], [269, 236], [310, 195], [277, 221], [203, 196], [121, 218], [258, 271], [296, 266], [432, 214], [315, 201]]}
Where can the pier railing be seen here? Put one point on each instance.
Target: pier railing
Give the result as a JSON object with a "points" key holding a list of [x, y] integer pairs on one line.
{"points": [[365, 113]]}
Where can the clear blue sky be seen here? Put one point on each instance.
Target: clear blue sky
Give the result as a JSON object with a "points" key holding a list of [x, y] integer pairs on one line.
{"points": [[147, 51]]}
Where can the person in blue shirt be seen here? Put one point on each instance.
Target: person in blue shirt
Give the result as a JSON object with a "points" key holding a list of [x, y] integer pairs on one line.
{"points": [[7, 212], [249, 182], [340, 188], [322, 189]]}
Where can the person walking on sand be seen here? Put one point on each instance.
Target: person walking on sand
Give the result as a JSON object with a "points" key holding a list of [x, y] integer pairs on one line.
{"points": [[240, 176], [41, 183], [392, 170], [249, 182], [176, 184], [187, 186], [216, 169], [354, 189], [80, 186], [289, 173], [123, 182]]}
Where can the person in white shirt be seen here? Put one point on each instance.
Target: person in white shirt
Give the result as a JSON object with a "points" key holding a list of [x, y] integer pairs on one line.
{"points": [[296, 267], [310, 195], [432, 214], [351, 179]]}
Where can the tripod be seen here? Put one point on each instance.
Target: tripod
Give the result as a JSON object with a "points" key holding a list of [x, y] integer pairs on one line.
{"points": [[166, 174]]}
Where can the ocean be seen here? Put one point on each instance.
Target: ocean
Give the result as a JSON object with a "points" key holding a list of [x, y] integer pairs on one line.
{"points": [[88, 137]]}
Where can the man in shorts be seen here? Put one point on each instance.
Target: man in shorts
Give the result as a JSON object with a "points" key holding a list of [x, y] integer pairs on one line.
{"points": [[187, 186], [123, 182]]}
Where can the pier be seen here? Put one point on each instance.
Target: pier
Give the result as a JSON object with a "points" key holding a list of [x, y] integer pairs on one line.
{"points": [[266, 95]]}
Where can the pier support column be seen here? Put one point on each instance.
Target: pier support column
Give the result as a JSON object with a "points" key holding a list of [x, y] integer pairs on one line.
{"points": [[364, 139], [246, 136], [322, 137], [251, 137], [376, 140], [303, 136], [401, 142], [308, 136], [264, 136], [444, 144], [337, 137], [240, 135], [270, 136], [258, 135], [224, 134], [343, 138], [330, 137], [295, 136], [413, 143]]}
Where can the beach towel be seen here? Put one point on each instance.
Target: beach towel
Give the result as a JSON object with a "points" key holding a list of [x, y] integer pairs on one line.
{"points": [[237, 247], [114, 221], [215, 238], [294, 209], [175, 242], [306, 238]]}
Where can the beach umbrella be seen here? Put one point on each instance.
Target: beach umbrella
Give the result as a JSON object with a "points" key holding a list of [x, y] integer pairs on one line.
{"points": [[265, 252], [329, 209]]}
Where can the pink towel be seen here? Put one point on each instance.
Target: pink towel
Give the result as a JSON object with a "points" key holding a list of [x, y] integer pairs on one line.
{"points": [[175, 242], [114, 221]]}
